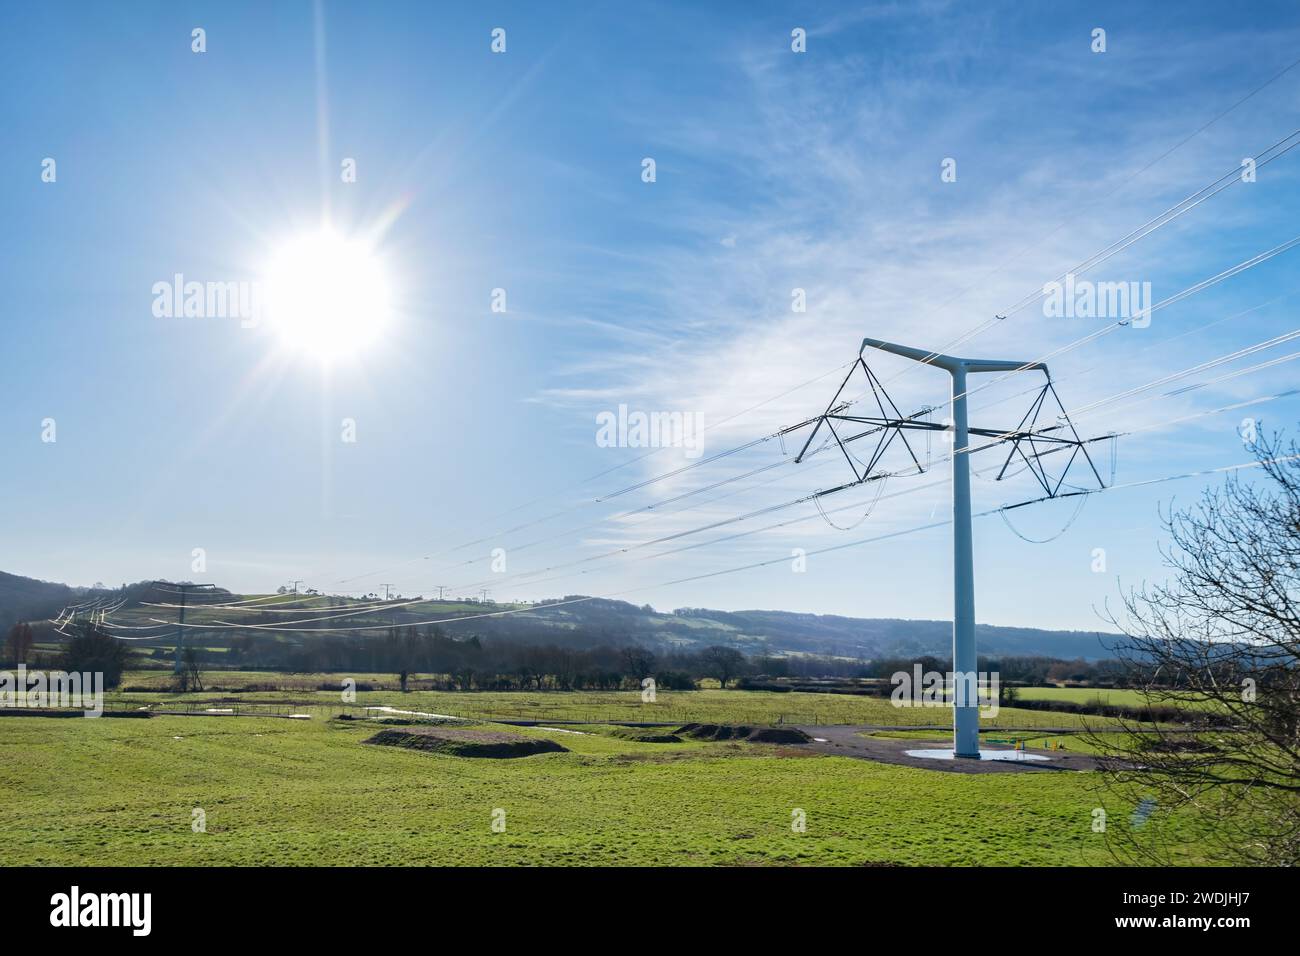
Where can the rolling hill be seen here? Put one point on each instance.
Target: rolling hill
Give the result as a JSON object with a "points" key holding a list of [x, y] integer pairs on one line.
{"points": [[595, 621]]}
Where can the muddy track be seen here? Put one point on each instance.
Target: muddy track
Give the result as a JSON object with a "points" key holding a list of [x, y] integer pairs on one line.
{"points": [[846, 741]]}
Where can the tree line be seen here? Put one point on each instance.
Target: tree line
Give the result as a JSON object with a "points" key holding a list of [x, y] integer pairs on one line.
{"points": [[475, 663], [497, 663]]}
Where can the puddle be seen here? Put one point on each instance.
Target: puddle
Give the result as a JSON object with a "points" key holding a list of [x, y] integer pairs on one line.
{"points": [[412, 713], [561, 730], [219, 710], [1013, 755], [820, 740]]}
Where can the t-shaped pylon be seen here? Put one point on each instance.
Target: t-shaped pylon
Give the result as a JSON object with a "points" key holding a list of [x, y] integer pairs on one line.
{"points": [[890, 424], [965, 714]]}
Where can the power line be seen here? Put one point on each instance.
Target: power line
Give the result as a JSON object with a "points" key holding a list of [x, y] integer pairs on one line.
{"points": [[180, 619], [1151, 225], [1160, 343], [1228, 273], [1073, 218], [762, 564], [1134, 236], [519, 578], [1278, 149], [990, 323]]}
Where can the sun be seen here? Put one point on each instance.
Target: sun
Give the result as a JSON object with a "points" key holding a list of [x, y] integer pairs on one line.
{"points": [[327, 295]]}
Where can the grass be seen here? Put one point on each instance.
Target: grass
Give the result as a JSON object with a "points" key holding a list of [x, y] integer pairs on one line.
{"points": [[1124, 697], [702, 706], [310, 792]]}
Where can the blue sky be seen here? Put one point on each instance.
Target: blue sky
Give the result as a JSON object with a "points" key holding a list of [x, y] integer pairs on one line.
{"points": [[522, 171]]}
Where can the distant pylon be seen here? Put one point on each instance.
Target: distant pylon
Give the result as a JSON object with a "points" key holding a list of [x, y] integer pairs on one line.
{"points": [[180, 619]]}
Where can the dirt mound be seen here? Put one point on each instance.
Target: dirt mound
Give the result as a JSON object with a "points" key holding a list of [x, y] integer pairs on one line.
{"points": [[758, 735], [466, 743]]}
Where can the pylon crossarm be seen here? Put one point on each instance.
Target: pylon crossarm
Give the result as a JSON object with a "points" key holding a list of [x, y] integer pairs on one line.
{"points": [[845, 451], [1011, 453], [835, 411], [897, 416], [1001, 435], [1036, 501], [1028, 440], [1066, 446], [1073, 431], [885, 441], [1031, 415], [882, 423], [1065, 471], [822, 418], [890, 421], [1034, 465]]}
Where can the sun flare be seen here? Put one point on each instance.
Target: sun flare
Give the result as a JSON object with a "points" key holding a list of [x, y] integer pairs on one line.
{"points": [[328, 296]]}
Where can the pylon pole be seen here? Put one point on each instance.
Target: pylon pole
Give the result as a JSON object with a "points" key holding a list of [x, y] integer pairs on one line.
{"points": [[965, 714], [180, 632], [891, 424], [180, 619]]}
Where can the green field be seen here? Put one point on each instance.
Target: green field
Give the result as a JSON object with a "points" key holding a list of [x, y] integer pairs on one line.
{"points": [[301, 692], [1082, 695], [275, 791], [122, 791], [1123, 697]]}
